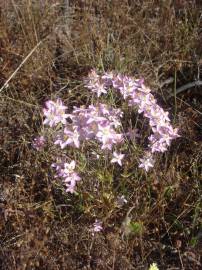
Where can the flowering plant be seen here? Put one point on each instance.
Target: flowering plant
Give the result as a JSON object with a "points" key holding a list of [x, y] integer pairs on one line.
{"points": [[138, 95], [103, 123]]}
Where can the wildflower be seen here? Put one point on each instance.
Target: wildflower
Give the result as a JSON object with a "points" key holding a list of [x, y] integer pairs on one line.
{"points": [[108, 78], [70, 182], [73, 176], [54, 113], [128, 87], [153, 266], [68, 138], [67, 172], [69, 167], [101, 122], [146, 163], [97, 227], [135, 91], [73, 137], [132, 134], [117, 81], [107, 136], [38, 143], [95, 83], [71, 187], [97, 156], [93, 77], [159, 146], [100, 88], [121, 200], [117, 158]]}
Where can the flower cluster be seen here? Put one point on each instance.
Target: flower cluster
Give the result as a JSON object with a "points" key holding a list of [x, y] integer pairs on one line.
{"points": [[39, 143], [54, 113], [137, 94], [66, 171], [103, 123], [99, 123], [96, 83]]}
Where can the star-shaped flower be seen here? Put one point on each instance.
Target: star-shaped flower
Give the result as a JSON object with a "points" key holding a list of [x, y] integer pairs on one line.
{"points": [[97, 227], [117, 158], [146, 163]]}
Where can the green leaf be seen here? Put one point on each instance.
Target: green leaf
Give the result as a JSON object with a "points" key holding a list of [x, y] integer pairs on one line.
{"points": [[193, 241], [136, 227]]}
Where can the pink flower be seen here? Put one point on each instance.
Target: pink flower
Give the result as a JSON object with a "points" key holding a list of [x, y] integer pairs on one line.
{"points": [[97, 227], [67, 172], [70, 182], [117, 158], [100, 88], [54, 113], [68, 138], [107, 136], [38, 143], [140, 96], [95, 83], [146, 163], [108, 78], [132, 134], [101, 123], [128, 87], [69, 167], [71, 187]]}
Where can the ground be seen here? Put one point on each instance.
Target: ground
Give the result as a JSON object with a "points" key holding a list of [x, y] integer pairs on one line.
{"points": [[47, 48]]}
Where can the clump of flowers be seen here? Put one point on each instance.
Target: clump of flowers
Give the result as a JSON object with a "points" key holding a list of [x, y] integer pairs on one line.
{"points": [[39, 143], [102, 123], [66, 171], [99, 123], [92, 123], [54, 113], [138, 95]]}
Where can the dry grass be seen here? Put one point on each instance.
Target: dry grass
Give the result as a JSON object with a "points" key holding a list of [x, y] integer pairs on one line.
{"points": [[41, 226]]}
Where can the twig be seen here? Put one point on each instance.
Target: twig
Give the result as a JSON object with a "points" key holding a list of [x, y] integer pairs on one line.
{"points": [[20, 101], [19, 67], [175, 94], [166, 82], [186, 86]]}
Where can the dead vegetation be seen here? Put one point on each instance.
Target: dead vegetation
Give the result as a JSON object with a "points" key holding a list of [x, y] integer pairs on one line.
{"points": [[41, 227]]}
